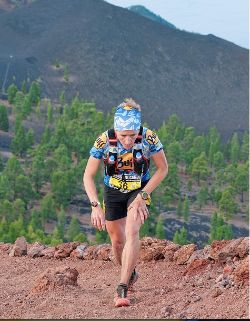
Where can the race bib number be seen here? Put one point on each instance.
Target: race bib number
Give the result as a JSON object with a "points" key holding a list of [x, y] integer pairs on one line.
{"points": [[125, 182]]}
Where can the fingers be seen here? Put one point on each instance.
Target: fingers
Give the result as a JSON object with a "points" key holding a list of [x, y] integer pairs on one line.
{"points": [[135, 215], [98, 221], [141, 213], [103, 224]]}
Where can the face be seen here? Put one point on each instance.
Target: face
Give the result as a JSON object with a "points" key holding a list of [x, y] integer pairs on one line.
{"points": [[127, 137]]}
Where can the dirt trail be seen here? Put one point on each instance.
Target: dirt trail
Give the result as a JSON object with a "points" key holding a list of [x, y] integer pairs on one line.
{"points": [[162, 291]]}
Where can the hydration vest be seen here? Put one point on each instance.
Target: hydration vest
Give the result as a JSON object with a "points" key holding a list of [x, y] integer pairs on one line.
{"points": [[140, 162]]}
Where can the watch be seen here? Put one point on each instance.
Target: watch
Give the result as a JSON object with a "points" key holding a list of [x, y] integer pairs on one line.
{"points": [[95, 203], [144, 195]]}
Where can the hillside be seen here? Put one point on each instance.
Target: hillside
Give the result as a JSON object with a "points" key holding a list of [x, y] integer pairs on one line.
{"points": [[105, 53], [143, 11], [175, 282]]}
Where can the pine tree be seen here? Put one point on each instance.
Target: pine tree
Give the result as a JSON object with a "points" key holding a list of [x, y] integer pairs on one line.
{"points": [[218, 160], [61, 218], [235, 148], [19, 143], [18, 208], [11, 91], [12, 170], [63, 185], [227, 204], [179, 208], [56, 237], [6, 210], [23, 189], [26, 107], [50, 113], [74, 229], [244, 149], [180, 237], [24, 87], [219, 230], [16, 229], [30, 140], [34, 93], [38, 171], [36, 220], [200, 167], [189, 185], [175, 152], [81, 237], [46, 136], [159, 230], [48, 208], [202, 196], [186, 209], [4, 121], [1, 164], [241, 181], [62, 97], [101, 237], [18, 102]]}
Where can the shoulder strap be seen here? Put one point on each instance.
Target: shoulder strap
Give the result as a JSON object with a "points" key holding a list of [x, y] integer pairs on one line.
{"points": [[112, 137], [139, 137]]}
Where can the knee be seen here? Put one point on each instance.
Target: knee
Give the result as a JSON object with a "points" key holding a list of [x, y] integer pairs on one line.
{"points": [[117, 243], [132, 233]]}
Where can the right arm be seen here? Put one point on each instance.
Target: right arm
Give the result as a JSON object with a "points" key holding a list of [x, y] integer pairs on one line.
{"points": [[97, 215]]}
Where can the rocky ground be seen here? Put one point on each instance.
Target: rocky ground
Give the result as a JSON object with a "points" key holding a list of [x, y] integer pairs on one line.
{"points": [[78, 281]]}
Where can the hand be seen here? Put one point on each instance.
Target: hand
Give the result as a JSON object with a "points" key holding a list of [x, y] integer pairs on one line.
{"points": [[98, 218], [139, 206]]}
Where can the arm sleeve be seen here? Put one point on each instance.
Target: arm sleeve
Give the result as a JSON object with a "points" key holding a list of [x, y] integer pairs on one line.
{"points": [[154, 142], [97, 151]]}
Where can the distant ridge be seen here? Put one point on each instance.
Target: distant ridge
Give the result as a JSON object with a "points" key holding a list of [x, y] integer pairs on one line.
{"points": [[143, 11], [112, 53]]}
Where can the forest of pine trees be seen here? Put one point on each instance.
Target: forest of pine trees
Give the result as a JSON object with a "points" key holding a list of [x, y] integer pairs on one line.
{"points": [[40, 180]]}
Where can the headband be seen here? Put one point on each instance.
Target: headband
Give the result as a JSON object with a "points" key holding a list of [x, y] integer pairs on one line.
{"points": [[127, 118]]}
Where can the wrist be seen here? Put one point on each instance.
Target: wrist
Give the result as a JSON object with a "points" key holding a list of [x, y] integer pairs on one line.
{"points": [[144, 195], [95, 204]]}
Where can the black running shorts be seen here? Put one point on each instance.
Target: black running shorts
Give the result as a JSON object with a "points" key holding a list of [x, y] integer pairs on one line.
{"points": [[116, 203]]}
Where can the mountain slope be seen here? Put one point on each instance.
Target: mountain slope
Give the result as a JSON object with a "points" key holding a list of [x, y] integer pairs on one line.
{"points": [[143, 11], [112, 53]]}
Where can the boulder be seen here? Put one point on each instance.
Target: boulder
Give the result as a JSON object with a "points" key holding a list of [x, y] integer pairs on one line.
{"points": [[182, 255], [55, 277], [36, 250], [64, 250], [241, 272], [19, 248]]}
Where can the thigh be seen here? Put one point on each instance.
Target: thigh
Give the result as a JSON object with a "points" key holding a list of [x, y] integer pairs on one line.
{"points": [[116, 229]]}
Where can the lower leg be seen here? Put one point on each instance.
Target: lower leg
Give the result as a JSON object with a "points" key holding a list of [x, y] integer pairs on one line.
{"points": [[129, 258], [131, 249], [117, 248], [116, 231]]}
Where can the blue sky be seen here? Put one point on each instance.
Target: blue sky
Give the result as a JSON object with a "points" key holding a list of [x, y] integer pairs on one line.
{"points": [[227, 19]]}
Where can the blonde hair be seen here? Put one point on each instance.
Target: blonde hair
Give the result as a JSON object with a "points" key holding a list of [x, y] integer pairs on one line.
{"points": [[130, 103]]}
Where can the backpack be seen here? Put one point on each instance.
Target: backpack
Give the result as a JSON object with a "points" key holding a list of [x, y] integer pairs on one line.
{"points": [[140, 162]]}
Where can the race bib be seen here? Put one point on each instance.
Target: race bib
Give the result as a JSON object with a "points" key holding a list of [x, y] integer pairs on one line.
{"points": [[125, 182]]}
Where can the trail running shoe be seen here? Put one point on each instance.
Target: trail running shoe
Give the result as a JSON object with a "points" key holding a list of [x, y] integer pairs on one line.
{"points": [[134, 277], [121, 299]]}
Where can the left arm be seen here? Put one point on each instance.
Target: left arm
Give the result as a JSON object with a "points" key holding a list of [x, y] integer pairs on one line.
{"points": [[160, 173]]}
